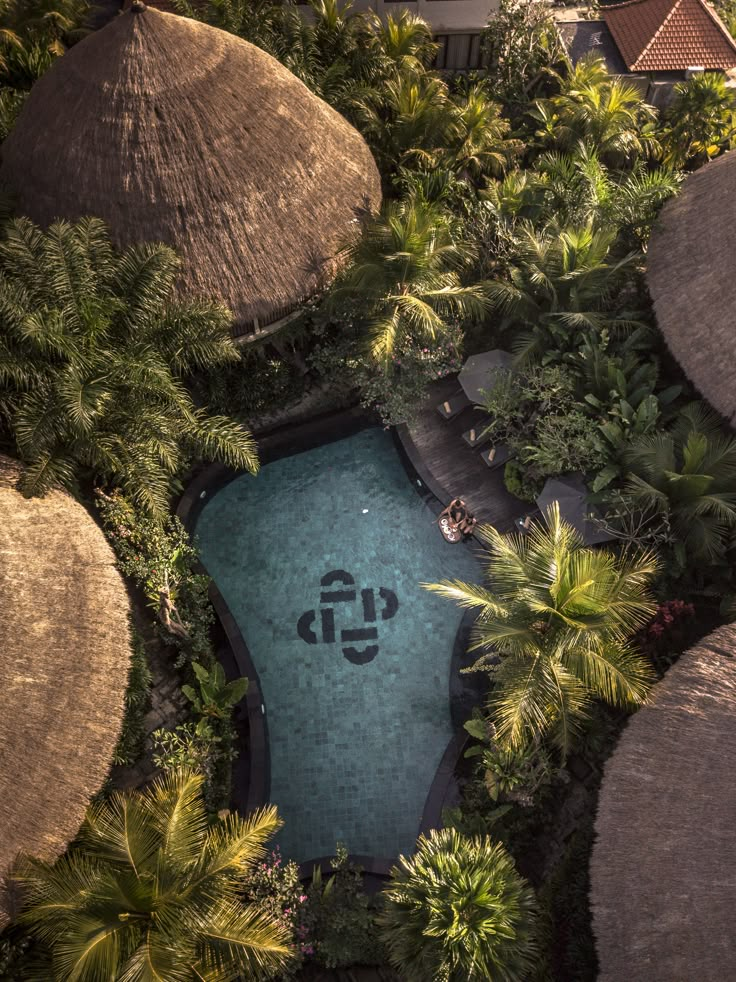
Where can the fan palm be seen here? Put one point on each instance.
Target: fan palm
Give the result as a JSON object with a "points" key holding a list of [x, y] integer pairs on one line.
{"points": [[93, 357], [405, 272], [689, 474], [457, 910], [151, 891], [554, 628], [561, 287]]}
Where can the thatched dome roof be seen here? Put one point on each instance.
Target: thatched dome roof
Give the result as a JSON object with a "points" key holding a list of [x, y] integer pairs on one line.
{"points": [[64, 659], [663, 870], [177, 132], [691, 279]]}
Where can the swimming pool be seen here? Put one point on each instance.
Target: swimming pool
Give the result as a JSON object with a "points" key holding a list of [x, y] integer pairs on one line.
{"points": [[319, 559]]}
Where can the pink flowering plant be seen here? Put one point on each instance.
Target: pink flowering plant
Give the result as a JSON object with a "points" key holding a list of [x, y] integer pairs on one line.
{"points": [[273, 886]]}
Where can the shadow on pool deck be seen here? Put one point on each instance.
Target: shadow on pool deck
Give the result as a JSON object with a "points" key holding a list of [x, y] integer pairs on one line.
{"points": [[455, 467]]}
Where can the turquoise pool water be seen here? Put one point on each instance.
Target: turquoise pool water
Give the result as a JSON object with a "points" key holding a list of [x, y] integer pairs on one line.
{"points": [[320, 558]]}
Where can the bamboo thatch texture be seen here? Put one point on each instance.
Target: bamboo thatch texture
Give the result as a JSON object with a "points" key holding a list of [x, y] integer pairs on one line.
{"points": [[174, 131], [64, 659], [663, 869], [690, 277]]}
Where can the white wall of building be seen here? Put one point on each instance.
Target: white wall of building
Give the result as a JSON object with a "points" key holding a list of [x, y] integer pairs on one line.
{"points": [[443, 16]]}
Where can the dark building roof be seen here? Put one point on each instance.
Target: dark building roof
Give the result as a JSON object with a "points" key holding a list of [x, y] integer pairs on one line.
{"points": [[669, 35], [582, 37]]}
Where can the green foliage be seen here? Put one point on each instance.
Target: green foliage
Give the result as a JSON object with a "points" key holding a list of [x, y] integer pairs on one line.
{"points": [[254, 384], [405, 274], [554, 629], [216, 697], [520, 44], [137, 702], [700, 122], [604, 113], [688, 475], [509, 773], [457, 911], [94, 352], [273, 887], [151, 886], [159, 558], [339, 918], [395, 390], [518, 483], [33, 33]]}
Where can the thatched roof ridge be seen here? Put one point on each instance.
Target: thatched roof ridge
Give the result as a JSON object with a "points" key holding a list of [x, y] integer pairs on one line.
{"points": [[690, 277], [663, 876], [174, 131], [64, 659]]}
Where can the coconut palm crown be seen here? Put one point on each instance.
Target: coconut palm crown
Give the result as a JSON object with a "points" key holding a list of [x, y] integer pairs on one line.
{"points": [[150, 891], [406, 273], [554, 628], [457, 911]]}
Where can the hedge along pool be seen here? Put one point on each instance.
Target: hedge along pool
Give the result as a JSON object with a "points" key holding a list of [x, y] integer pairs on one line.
{"points": [[319, 559]]}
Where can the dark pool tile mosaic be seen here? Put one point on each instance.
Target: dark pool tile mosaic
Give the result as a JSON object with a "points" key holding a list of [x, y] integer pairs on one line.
{"points": [[320, 558]]}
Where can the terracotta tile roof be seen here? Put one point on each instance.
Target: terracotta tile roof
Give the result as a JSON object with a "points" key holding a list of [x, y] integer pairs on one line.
{"points": [[670, 35]]}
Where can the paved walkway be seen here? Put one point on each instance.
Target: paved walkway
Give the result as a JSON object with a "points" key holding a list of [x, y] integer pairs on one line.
{"points": [[457, 468]]}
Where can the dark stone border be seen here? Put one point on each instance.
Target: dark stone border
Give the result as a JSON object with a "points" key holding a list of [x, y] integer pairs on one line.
{"points": [[284, 442]]}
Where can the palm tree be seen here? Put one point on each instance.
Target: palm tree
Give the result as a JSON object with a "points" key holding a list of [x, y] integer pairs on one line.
{"points": [[404, 38], [151, 891], [457, 910], [480, 143], [553, 628], [561, 287], [407, 119], [605, 113], [700, 122], [94, 354], [689, 475], [405, 273]]}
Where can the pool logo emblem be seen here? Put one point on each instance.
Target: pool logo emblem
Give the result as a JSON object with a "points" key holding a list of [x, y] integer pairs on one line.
{"points": [[358, 656]]}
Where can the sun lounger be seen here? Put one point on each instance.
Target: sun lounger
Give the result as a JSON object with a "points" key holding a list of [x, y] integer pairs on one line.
{"points": [[453, 405], [475, 436], [495, 456]]}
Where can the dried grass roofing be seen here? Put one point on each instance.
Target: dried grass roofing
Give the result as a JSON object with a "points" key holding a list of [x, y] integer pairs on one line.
{"points": [[64, 661], [663, 870], [174, 131], [690, 278]]}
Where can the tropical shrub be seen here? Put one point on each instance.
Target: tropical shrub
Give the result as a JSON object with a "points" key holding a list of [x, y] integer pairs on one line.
{"points": [[520, 43], [152, 889], [339, 918], [458, 911], [130, 743], [273, 887], [554, 629], [214, 697], [159, 557], [700, 122], [509, 773], [688, 475], [94, 353]]}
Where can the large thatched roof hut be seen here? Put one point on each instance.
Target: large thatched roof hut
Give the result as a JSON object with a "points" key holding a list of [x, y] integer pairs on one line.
{"points": [[64, 659], [663, 870], [174, 131], [690, 276]]}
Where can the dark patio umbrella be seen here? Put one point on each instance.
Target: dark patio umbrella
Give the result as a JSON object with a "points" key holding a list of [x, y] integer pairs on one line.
{"points": [[477, 374], [571, 495]]}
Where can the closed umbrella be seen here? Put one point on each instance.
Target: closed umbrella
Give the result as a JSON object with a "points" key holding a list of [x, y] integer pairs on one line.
{"points": [[479, 372], [571, 495]]}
